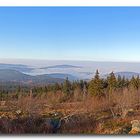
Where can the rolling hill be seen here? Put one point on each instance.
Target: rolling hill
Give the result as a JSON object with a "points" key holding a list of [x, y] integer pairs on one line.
{"points": [[60, 67], [18, 67], [16, 76], [63, 76]]}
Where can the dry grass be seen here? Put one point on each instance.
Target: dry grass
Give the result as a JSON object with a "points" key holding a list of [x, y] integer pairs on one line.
{"points": [[82, 114], [118, 100]]}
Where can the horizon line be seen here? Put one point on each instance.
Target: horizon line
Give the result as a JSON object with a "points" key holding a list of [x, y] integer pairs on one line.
{"points": [[109, 61]]}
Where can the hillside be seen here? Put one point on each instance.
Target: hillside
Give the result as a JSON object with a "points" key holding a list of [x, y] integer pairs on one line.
{"points": [[60, 66], [18, 67], [16, 76], [63, 76], [13, 75]]}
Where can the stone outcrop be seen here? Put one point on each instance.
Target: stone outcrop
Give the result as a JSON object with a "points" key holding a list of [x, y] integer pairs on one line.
{"points": [[127, 113], [135, 127], [2, 103]]}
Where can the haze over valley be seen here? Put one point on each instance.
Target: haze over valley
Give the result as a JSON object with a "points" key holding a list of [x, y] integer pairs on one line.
{"points": [[74, 70]]}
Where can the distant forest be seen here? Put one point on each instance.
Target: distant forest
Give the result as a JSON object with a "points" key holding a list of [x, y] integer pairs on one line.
{"points": [[98, 87]]}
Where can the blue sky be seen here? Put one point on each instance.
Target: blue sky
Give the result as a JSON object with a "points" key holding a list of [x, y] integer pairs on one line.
{"points": [[70, 33]]}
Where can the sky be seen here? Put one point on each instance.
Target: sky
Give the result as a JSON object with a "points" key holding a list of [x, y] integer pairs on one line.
{"points": [[70, 33]]}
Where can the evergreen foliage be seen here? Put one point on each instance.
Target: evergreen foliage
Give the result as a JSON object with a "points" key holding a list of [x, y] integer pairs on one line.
{"points": [[112, 82], [96, 86], [67, 86]]}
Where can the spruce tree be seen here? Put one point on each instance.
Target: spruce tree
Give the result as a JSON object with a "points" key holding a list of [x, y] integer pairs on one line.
{"points": [[96, 86], [119, 81], [135, 82], [112, 82], [67, 86]]}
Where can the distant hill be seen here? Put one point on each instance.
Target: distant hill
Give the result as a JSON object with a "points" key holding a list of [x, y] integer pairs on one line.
{"points": [[13, 75], [75, 70], [16, 76], [60, 66], [63, 76], [18, 67], [45, 78], [125, 74]]}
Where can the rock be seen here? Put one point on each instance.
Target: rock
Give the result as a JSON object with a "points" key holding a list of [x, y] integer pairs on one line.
{"points": [[51, 125], [47, 127], [2, 103], [18, 112], [127, 113], [116, 126], [117, 131], [55, 123], [2, 116], [133, 132], [135, 127]]}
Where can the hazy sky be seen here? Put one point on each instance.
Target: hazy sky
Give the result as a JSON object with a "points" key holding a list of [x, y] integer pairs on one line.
{"points": [[70, 33]]}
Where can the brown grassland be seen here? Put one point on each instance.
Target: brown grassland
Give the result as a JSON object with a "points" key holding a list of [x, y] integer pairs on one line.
{"points": [[117, 112]]}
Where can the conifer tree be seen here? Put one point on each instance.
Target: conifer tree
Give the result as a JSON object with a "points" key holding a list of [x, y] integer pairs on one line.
{"points": [[120, 82], [96, 86], [67, 86], [112, 82], [18, 92], [135, 82]]}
